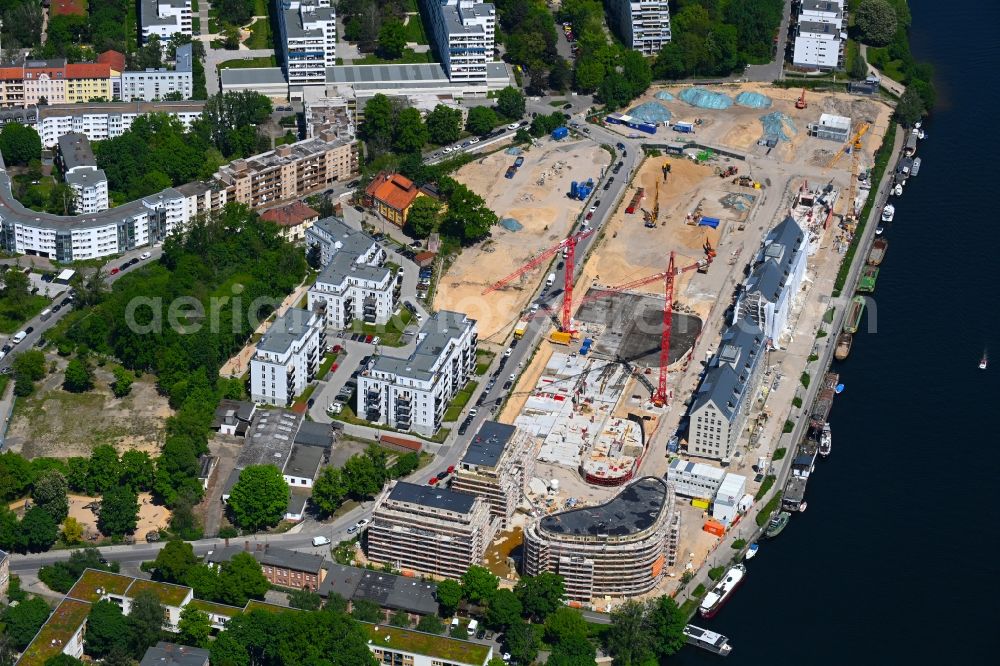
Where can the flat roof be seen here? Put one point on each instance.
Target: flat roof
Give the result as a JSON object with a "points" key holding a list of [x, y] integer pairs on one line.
{"points": [[315, 434], [92, 580], [167, 593], [304, 461], [431, 645], [75, 150], [50, 640], [234, 76], [269, 439], [488, 444], [433, 497], [439, 330], [285, 330], [394, 73], [633, 510], [172, 654]]}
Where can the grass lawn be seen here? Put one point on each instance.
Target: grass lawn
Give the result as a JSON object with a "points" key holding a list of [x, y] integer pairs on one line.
{"points": [[260, 7], [415, 32], [409, 57], [768, 509], [241, 63], [260, 35], [196, 25], [347, 415], [391, 333], [11, 320], [879, 57], [461, 400], [304, 398], [483, 360]]}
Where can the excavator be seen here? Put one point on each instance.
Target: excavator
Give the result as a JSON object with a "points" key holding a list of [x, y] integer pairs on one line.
{"points": [[709, 250], [666, 170], [800, 103]]}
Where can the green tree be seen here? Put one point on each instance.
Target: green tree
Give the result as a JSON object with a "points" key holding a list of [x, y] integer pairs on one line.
{"points": [[423, 218], [667, 625], [588, 75], [449, 596], [194, 627], [19, 144], [363, 477], [241, 580], [119, 512], [63, 659], [122, 385], [104, 470], [79, 377], [38, 530], [30, 364], [444, 124], [479, 584], [430, 624], [468, 218], [174, 561], [329, 490], [565, 625], [183, 522], [400, 619], [49, 493], [637, 72], [629, 640], [204, 580], [364, 610], [522, 643], [876, 20], [15, 474], [305, 599], [61, 576], [22, 622], [510, 103], [107, 629], [145, 622], [859, 67], [137, 470], [410, 133], [910, 107], [391, 39], [560, 75], [504, 610], [378, 127], [72, 531], [259, 498], [540, 595], [481, 120]]}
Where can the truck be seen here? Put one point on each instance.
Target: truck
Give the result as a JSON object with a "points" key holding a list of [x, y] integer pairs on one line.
{"points": [[550, 280], [511, 170], [560, 133], [520, 329], [46, 314], [683, 128]]}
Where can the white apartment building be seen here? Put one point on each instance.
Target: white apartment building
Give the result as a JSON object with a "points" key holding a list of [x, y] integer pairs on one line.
{"points": [[496, 466], [164, 18], [721, 405], [89, 184], [413, 393], [308, 36], [333, 237], [694, 480], [727, 499], [463, 32], [287, 357], [820, 35], [156, 84], [105, 121], [775, 278], [429, 530], [643, 25], [347, 290]]}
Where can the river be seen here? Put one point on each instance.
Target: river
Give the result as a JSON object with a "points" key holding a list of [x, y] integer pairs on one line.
{"points": [[892, 563]]}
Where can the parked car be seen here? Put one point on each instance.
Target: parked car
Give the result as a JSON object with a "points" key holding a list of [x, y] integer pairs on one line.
{"points": [[506, 386], [145, 255], [115, 271], [474, 140], [512, 126], [321, 541], [590, 214]]}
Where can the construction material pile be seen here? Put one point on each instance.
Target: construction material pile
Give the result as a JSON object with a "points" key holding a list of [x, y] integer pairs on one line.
{"points": [[753, 100], [651, 112], [778, 126], [664, 95], [510, 224], [705, 99]]}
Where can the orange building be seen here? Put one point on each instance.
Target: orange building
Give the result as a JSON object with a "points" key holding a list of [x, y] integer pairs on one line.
{"points": [[391, 195]]}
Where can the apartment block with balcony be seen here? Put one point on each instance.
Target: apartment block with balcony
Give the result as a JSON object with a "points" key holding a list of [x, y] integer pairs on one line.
{"points": [[333, 236], [429, 530], [643, 25], [308, 36], [496, 466], [820, 35], [463, 33], [346, 290], [79, 168], [156, 84], [287, 358], [289, 171], [413, 393], [101, 121], [164, 18]]}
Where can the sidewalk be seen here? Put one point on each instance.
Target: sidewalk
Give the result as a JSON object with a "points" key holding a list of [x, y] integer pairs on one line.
{"points": [[895, 87]]}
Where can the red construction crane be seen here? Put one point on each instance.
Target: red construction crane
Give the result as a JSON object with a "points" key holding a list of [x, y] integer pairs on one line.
{"points": [[567, 244]]}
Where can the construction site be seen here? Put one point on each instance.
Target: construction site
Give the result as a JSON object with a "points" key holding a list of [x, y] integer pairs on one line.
{"points": [[607, 390]]}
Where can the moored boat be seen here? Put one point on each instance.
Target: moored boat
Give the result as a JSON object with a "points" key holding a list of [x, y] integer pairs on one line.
{"points": [[707, 640], [869, 276], [915, 169], [778, 523], [877, 253], [843, 350], [888, 212], [717, 597], [751, 552], [984, 361], [898, 190], [854, 314], [825, 441]]}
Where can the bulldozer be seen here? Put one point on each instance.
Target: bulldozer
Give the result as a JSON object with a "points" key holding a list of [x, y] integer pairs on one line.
{"points": [[745, 181], [727, 172]]}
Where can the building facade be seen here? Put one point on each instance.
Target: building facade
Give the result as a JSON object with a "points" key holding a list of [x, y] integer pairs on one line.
{"points": [[308, 37], [642, 25], [775, 279], [333, 236], [463, 33], [287, 357], [820, 35], [497, 466], [429, 530], [287, 568], [391, 195], [413, 393], [727, 499], [156, 84], [346, 290], [695, 480], [58, 82], [406, 647], [289, 171], [618, 549], [294, 219], [79, 169], [106, 120], [164, 18]]}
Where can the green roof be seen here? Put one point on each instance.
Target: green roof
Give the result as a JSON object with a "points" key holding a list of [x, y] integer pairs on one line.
{"points": [[214, 608], [57, 631], [93, 580], [253, 605], [431, 645], [168, 594]]}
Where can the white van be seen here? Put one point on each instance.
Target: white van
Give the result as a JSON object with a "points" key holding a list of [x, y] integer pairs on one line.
{"points": [[46, 313], [473, 625], [18, 337], [551, 280], [454, 623], [321, 541]]}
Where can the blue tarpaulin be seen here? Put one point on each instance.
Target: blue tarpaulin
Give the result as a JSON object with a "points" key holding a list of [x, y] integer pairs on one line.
{"points": [[709, 222], [664, 95], [705, 99], [510, 224], [753, 100]]}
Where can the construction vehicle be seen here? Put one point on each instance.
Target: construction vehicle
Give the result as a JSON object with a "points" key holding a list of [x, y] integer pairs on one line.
{"points": [[709, 250], [746, 181], [567, 244], [727, 172], [800, 103], [853, 145], [666, 170], [636, 198], [520, 329], [647, 218]]}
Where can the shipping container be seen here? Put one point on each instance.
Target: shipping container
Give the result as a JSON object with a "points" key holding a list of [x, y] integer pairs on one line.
{"points": [[714, 527], [560, 338], [700, 503], [683, 128]]}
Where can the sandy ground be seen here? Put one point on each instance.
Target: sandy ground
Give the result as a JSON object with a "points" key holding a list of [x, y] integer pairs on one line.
{"points": [[54, 422], [151, 516], [535, 197], [239, 364]]}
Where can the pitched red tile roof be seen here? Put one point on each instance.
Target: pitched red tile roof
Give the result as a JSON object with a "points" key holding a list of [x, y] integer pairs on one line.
{"points": [[88, 70], [113, 59], [9, 73], [290, 215], [67, 7], [400, 442], [394, 190]]}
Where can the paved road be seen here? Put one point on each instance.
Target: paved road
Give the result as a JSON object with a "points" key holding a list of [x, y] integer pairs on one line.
{"points": [[893, 86], [773, 70]]}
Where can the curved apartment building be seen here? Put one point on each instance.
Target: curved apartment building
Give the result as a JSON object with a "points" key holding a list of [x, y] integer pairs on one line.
{"points": [[617, 549]]}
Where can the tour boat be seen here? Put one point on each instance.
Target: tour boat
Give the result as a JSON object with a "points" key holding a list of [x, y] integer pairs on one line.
{"points": [[714, 600]]}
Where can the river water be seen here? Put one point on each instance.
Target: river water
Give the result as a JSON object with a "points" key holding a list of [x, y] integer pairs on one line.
{"points": [[895, 561]]}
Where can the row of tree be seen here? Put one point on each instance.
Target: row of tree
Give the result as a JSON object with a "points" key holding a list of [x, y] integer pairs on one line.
{"points": [[375, 26], [234, 582], [361, 478]]}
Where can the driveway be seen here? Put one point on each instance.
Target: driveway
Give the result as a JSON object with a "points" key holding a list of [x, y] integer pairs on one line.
{"points": [[773, 70]]}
